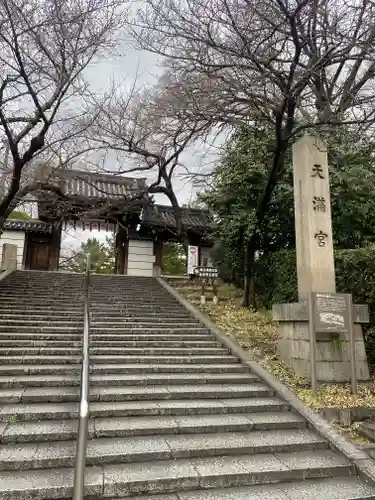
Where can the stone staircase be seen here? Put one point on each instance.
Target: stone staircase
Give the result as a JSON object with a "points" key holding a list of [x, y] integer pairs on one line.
{"points": [[173, 413]]}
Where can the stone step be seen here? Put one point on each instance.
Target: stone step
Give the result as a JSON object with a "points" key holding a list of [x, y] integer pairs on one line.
{"points": [[64, 430], [73, 302], [78, 314], [39, 360], [108, 337], [121, 368], [22, 317], [30, 309], [35, 301], [7, 343], [52, 321], [169, 447], [55, 359], [58, 290], [124, 351], [95, 318], [37, 279], [7, 297], [26, 285], [11, 324], [108, 329], [18, 412], [40, 329], [136, 393], [96, 287], [73, 380], [153, 337], [135, 304], [155, 321], [27, 288], [146, 325], [159, 329], [124, 302], [245, 477], [61, 288], [25, 344], [75, 313], [164, 359], [148, 312], [331, 485], [77, 308], [143, 296], [145, 351], [52, 299], [100, 292], [159, 344], [31, 351], [102, 296]]}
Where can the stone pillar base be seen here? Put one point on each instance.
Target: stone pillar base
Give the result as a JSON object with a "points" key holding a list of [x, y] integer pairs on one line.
{"points": [[332, 351], [156, 271]]}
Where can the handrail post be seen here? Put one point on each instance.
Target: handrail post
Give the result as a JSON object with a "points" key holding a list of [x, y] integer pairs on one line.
{"points": [[79, 471]]}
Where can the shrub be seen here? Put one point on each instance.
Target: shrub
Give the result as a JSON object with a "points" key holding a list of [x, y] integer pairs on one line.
{"points": [[276, 279]]}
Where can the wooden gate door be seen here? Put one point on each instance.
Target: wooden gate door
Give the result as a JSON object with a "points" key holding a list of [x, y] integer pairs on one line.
{"points": [[38, 253]]}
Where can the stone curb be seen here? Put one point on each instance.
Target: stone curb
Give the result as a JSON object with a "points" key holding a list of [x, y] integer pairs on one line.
{"points": [[364, 464], [5, 274]]}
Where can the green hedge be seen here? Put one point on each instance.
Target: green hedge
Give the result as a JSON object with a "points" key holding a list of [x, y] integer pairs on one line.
{"points": [[276, 281]]}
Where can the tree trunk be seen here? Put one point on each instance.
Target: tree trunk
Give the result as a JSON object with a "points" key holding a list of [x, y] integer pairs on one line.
{"points": [[2, 222], [249, 275], [261, 210]]}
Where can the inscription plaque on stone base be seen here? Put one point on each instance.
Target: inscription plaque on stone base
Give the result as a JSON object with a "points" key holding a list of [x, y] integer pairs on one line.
{"points": [[331, 312]]}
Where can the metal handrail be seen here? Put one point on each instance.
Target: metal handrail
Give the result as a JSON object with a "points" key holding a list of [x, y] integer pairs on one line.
{"points": [[79, 471]]}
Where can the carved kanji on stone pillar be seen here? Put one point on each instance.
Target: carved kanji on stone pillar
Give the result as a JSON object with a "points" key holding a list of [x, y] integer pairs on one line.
{"points": [[314, 245]]}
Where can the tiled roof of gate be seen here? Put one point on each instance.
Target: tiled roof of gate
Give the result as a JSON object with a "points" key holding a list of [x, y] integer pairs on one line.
{"points": [[192, 218], [32, 226], [96, 185]]}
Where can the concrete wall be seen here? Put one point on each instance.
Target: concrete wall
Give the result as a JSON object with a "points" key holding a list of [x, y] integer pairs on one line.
{"points": [[14, 238], [141, 258], [205, 253]]}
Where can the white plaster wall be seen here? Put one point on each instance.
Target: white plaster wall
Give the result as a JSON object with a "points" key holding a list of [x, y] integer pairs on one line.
{"points": [[205, 253], [141, 258], [14, 238]]}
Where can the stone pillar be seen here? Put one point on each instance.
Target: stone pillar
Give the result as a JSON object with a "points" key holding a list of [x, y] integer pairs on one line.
{"points": [[55, 247], [316, 273], [313, 221], [9, 257], [158, 252], [122, 244]]}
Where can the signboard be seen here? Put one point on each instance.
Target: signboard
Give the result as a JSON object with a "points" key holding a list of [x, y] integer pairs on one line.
{"points": [[331, 312], [206, 272], [192, 260]]}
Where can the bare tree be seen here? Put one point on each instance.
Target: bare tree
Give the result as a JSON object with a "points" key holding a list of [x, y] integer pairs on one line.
{"points": [[45, 45], [133, 126], [297, 64]]}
